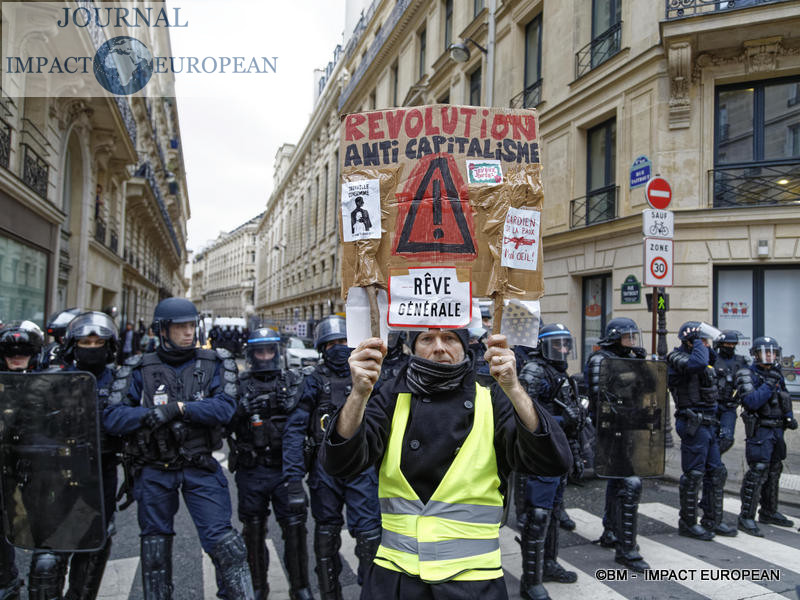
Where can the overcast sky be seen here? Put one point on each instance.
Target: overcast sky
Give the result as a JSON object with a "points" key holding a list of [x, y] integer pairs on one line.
{"points": [[233, 124]]}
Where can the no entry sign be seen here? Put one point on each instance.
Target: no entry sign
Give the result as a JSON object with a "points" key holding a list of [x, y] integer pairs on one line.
{"points": [[658, 193], [657, 262]]}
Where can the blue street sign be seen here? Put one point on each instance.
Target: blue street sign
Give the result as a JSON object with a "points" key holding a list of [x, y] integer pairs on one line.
{"points": [[640, 171]]}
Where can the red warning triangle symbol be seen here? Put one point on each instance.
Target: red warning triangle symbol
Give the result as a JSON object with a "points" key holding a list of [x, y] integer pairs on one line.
{"points": [[434, 215]]}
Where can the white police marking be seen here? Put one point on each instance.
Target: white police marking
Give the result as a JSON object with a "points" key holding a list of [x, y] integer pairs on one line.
{"points": [[118, 579]]}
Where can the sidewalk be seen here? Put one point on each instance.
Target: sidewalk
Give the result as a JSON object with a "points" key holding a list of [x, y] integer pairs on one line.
{"points": [[737, 465]]}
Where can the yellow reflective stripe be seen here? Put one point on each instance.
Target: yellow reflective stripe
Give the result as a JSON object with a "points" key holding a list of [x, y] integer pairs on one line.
{"points": [[468, 513], [456, 549], [401, 506], [398, 541]]}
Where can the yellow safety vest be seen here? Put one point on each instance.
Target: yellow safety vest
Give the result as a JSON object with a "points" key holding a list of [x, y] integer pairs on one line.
{"points": [[456, 534]]}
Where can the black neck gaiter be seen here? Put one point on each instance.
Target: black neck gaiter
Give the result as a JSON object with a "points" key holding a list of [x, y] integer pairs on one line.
{"points": [[426, 378]]}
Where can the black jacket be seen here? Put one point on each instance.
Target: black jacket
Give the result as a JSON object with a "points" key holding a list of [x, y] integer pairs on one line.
{"points": [[437, 427]]}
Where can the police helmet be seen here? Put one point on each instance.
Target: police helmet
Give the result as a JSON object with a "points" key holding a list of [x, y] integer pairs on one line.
{"points": [[556, 345], [729, 338], [91, 323], [689, 331], [21, 339], [622, 331], [330, 328], [57, 324], [766, 351], [261, 340], [170, 311]]}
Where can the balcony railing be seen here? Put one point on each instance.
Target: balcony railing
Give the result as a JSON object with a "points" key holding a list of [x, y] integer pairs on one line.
{"points": [[757, 185], [5, 144], [678, 9], [529, 97], [598, 207], [100, 231], [113, 242], [35, 172], [599, 50]]}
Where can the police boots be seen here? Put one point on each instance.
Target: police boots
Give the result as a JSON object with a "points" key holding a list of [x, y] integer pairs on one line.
{"points": [[532, 543], [46, 578], [295, 555], [156, 556], [751, 491], [9, 582], [687, 523], [366, 547], [254, 533], [564, 520], [768, 513], [552, 570], [327, 541], [230, 556], [627, 509], [11, 590], [86, 573], [712, 517]]}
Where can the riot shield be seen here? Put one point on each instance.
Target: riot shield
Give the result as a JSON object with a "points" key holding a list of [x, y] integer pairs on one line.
{"points": [[630, 418], [52, 494]]}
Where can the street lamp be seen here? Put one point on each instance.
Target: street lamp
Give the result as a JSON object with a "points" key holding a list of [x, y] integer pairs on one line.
{"points": [[459, 51]]}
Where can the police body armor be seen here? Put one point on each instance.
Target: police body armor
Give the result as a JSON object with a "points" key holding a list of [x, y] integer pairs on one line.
{"points": [[333, 392], [771, 413], [258, 438], [631, 405], [50, 459], [563, 390], [726, 369], [179, 443], [693, 390]]}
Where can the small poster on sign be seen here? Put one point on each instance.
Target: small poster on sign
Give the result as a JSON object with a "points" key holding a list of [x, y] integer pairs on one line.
{"points": [[361, 210], [521, 239], [430, 297], [484, 171]]}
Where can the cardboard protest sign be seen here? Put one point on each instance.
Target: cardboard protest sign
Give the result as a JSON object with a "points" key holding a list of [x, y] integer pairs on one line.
{"points": [[459, 187]]}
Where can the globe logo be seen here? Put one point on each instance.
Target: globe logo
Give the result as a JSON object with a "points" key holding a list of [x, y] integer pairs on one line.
{"points": [[123, 65]]}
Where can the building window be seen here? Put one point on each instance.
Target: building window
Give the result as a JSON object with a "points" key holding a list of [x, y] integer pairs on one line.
{"points": [[448, 23], [477, 7], [23, 279], [756, 146], [475, 87], [596, 312], [606, 36], [422, 43], [758, 301], [533, 63], [394, 84], [600, 172]]}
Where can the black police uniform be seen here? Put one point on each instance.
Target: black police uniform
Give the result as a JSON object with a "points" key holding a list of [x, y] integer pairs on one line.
{"points": [[692, 381], [728, 363], [256, 442]]}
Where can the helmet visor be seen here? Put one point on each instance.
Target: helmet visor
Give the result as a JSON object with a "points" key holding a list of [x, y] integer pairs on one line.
{"points": [[767, 354], [557, 348], [92, 324]]}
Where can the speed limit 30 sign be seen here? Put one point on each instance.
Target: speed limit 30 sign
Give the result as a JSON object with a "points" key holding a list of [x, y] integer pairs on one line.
{"points": [[657, 262]]}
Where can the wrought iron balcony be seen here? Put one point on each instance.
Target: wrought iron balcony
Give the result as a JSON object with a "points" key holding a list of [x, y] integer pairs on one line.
{"points": [[100, 230], [35, 172], [113, 242], [529, 97], [757, 185], [599, 50], [5, 144], [598, 207], [679, 9]]}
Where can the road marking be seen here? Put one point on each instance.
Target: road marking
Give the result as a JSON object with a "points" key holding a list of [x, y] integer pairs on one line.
{"points": [[209, 578], [734, 505], [774, 552], [348, 550], [591, 527], [278, 582], [118, 579]]}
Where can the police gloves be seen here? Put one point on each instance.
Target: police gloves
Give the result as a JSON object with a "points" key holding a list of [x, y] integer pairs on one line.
{"points": [[571, 416], [251, 406], [791, 423], [161, 415], [297, 495]]}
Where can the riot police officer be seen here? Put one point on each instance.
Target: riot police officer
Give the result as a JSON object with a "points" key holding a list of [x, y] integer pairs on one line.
{"points": [[89, 344], [396, 357], [171, 406], [544, 377], [57, 329], [693, 384], [621, 339], [767, 412], [267, 395], [20, 345], [728, 363], [324, 391]]}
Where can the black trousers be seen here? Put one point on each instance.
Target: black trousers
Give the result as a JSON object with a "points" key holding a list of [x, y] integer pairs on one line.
{"points": [[384, 584]]}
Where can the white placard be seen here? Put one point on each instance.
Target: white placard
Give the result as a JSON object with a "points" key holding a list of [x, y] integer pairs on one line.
{"points": [[521, 239], [658, 223], [520, 322], [357, 320], [361, 210], [658, 262], [430, 297]]}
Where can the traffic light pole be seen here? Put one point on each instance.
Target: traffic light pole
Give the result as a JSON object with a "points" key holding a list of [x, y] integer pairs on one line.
{"points": [[659, 347]]}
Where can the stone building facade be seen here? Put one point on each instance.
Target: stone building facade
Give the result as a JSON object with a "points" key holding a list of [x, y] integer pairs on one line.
{"points": [[705, 93]]}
